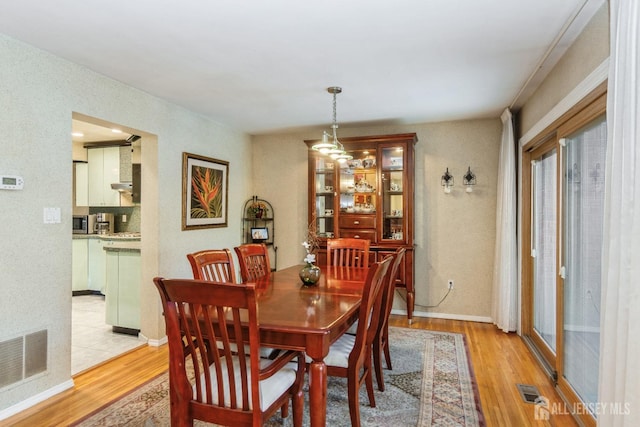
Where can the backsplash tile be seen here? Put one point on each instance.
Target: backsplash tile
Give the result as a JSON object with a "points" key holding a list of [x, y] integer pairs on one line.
{"points": [[132, 213]]}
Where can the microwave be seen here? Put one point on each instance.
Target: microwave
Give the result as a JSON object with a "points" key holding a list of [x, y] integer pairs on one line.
{"points": [[84, 224]]}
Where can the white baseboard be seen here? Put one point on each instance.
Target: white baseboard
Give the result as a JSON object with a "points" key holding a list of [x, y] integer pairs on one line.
{"points": [[448, 316], [157, 343], [34, 400]]}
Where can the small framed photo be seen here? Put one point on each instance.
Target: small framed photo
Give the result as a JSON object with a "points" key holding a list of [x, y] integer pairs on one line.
{"points": [[205, 185], [259, 234]]}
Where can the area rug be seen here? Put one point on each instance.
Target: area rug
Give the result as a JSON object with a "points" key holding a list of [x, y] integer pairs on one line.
{"points": [[431, 384]]}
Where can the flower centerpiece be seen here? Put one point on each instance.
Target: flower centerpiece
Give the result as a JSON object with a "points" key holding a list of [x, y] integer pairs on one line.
{"points": [[310, 273], [257, 209]]}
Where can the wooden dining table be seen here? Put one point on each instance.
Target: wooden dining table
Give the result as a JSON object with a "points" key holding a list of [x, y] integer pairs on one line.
{"points": [[310, 319]]}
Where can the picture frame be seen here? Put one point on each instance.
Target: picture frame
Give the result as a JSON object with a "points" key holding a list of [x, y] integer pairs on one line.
{"points": [[259, 234], [205, 189]]}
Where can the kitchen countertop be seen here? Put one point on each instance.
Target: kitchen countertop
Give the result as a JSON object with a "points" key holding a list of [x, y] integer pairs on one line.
{"points": [[130, 245], [114, 236], [127, 241]]}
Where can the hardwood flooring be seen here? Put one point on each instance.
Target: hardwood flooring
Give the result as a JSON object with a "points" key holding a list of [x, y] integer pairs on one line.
{"points": [[500, 361]]}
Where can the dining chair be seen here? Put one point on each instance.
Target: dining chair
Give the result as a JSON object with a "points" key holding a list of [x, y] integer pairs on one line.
{"points": [[348, 252], [213, 264], [216, 265], [254, 261], [231, 386], [381, 340], [351, 354]]}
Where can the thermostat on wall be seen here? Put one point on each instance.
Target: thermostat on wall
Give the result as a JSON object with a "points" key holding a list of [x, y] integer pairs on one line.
{"points": [[11, 182]]}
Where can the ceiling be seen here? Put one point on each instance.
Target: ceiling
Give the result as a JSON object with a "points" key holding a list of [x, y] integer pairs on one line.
{"points": [[264, 66], [83, 131]]}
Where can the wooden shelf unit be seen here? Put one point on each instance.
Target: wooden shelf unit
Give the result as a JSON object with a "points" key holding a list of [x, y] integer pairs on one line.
{"points": [[265, 220]]}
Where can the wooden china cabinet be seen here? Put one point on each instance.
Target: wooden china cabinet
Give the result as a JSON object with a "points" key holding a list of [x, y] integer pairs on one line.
{"points": [[368, 197]]}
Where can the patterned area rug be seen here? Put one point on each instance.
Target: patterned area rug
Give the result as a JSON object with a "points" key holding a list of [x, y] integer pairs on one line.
{"points": [[431, 384]]}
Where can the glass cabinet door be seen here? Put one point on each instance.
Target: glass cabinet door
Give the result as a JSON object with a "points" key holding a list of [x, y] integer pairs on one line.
{"points": [[358, 183], [393, 196], [325, 196]]}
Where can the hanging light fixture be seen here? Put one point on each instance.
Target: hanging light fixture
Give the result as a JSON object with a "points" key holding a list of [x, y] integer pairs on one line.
{"points": [[333, 148], [324, 146]]}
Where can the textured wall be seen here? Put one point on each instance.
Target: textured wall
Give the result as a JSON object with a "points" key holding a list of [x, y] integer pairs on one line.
{"points": [[38, 95], [455, 233]]}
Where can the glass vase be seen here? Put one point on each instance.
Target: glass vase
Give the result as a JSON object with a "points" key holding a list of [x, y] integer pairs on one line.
{"points": [[310, 274]]}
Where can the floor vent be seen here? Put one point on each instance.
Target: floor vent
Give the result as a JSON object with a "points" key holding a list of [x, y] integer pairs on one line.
{"points": [[22, 357], [529, 393]]}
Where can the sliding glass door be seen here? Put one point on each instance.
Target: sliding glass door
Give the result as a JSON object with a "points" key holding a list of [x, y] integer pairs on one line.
{"points": [[544, 227], [544, 248], [563, 209], [583, 186]]}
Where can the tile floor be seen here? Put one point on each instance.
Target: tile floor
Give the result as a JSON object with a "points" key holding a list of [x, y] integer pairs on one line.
{"points": [[92, 340]]}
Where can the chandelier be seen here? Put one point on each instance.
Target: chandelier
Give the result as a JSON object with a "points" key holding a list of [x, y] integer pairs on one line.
{"points": [[333, 148]]}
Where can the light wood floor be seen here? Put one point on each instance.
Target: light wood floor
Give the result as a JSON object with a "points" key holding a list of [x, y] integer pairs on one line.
{"points": [[500, 361]]}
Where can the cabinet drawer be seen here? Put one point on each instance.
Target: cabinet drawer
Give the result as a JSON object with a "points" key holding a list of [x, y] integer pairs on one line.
{"points": [[358, 234], [357, 221]]}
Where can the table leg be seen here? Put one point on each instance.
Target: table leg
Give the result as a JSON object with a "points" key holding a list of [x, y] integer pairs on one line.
{"points": [[410, 305], [318, 393]]}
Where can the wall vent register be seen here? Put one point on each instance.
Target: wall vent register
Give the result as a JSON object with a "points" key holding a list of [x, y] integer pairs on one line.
{"points": [[23, 357]]}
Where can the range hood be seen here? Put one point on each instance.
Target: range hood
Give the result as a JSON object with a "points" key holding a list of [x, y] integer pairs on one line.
{"points": [[123, 187], [128, 187]]}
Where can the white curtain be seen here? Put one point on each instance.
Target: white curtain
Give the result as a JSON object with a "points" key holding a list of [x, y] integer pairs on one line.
{"points": [[505, 269], [619, 382]]}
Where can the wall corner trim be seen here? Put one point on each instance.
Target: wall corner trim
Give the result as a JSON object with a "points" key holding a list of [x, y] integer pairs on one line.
{"points": [[592, 81]]}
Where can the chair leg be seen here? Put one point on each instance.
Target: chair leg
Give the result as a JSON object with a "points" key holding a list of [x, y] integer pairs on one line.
{"points": [[377, 363], [297, 396], [385, 346], [284, 410], [368, 380], [179, 411], [297, 402], [353, 386], [387, 355]]}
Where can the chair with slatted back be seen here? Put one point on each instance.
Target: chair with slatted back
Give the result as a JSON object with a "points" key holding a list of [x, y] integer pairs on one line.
{"points": [[348, 252], [254, 262], [381, 341], [215, 265], [350, 355], [233, 386]]}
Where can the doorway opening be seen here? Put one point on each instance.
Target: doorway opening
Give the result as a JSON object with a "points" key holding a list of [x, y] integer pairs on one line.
{"points": [[106, 261]]}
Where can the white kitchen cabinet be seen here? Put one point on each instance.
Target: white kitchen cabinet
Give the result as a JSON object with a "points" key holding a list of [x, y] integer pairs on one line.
{"points": [[82, 184], [103, 170], [122, 294], [80, 264], [97, 264]]}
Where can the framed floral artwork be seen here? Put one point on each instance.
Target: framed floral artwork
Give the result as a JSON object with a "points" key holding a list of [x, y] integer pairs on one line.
{"points": [[205, 185]]}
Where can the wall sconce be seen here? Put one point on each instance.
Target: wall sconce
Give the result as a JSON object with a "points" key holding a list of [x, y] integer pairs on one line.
{"points": [[447, 181], [469, 179]]}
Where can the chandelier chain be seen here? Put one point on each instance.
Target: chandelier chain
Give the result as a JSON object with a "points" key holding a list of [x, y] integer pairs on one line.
{"points": [[335, 125]]}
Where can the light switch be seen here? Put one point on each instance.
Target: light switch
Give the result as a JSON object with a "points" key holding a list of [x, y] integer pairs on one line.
{"points": [[52, 215]]}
